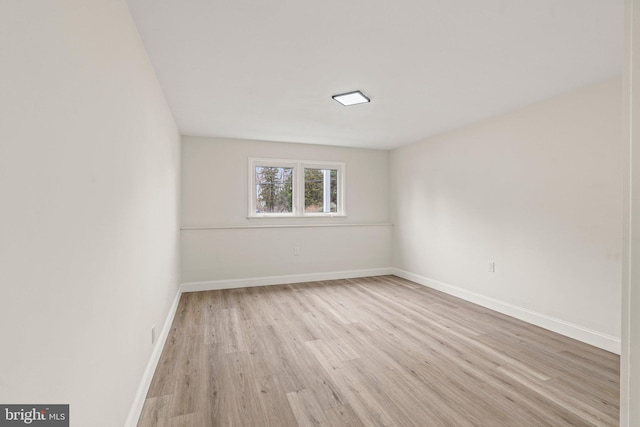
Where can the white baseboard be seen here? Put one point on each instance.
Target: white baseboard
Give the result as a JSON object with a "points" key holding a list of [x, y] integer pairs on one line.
{"points": [[281, 280], [145, 383], [580, 333]]}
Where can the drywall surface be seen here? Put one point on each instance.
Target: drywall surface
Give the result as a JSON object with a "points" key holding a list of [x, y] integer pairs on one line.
{"points": [[89, 217], [630, 356], [230, 246], [538, 192]]}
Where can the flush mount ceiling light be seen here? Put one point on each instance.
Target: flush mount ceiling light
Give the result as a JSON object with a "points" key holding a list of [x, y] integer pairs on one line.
{"points": [[351, 98]]}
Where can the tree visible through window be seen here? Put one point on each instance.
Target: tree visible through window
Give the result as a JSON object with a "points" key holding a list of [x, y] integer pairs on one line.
{"points": [[320, 190], [274, 190], [295, 188]]}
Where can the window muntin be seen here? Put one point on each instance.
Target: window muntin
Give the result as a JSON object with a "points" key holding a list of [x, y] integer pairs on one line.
{"points": [[295, 188]]}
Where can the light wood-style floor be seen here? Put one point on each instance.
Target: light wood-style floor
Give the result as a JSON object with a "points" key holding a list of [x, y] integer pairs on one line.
{"points": [[378, 351]]}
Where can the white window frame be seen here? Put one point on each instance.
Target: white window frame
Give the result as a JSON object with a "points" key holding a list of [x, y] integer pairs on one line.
{"points": [[298, 187]]}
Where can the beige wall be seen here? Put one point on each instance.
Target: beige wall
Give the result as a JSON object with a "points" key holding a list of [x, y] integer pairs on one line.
{"points": [[214, 195], [89, 172], [537, 191]]}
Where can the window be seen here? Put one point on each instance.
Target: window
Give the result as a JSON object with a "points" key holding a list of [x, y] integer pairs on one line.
{"points": [[320, 190], [274, 189], [281, 188]]}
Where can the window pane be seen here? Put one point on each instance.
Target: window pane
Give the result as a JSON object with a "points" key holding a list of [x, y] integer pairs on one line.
{"points": [[274, 190], [320, 190]]}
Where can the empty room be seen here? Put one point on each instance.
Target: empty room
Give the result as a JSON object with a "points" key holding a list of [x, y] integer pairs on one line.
{"points": [[244, 213]]}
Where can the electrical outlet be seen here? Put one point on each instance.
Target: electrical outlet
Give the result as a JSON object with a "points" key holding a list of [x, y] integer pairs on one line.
{"points": [[153, 334], [492, 267], [296, 251]]}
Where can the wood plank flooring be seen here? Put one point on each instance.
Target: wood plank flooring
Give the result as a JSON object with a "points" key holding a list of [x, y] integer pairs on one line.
{"points": [[379, 351]]}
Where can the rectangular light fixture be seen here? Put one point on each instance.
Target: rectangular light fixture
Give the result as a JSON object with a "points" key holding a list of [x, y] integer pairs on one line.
{"points": [[351, 98]]}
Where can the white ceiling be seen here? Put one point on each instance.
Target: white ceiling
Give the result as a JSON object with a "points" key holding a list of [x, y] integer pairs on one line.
{"points": [[266, 70]]}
